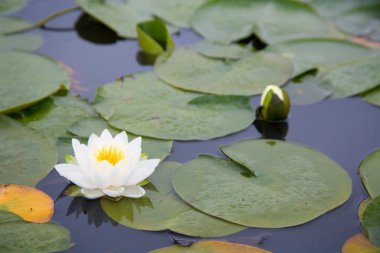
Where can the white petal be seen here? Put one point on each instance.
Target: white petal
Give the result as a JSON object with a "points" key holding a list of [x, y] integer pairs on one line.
{"points": [[93, 143], [114, 191], [81, 154], [133, 153], [121, 140], [92, 194], [74, 174], [133, 191], [135, 144], [142, 170], [100, 174], [106, 138]]}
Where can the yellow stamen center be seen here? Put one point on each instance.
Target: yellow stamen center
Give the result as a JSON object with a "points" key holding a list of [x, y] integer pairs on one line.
{"points": [[110, 154]]}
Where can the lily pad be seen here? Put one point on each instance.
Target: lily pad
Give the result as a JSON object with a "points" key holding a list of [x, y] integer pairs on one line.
{"points": [[144, 105], [155, 148], [370, 173], [355, 77], [311, 89], [293, 184], [359, 244], [121, 16], [55, 114], [11, 24], [21, 236], [372, 96], [154, 38], [233, 51], [331, 9], [26, 156], [272, 21], [27, 202], [211, 247], [26, 79], [162, 209], [371, 221], [23, 42], [184, 68], [363, 205], [362, 21], [11, 6], [6, 216], [307, 54]]}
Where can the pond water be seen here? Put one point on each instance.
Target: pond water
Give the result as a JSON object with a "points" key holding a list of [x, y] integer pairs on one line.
{"points": [[346, 130]]}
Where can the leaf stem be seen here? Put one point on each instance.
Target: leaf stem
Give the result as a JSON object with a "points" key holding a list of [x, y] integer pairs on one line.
{"points": [[43, 21]]}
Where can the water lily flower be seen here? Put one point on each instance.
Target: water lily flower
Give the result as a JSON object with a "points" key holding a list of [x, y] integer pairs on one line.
{"points": [[274, 104], [108, 166]]}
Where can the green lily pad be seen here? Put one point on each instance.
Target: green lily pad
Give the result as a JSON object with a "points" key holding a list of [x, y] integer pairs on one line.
{"points": [[11, 24], [26, 156], [370, 173], [121, 16], [11, 6], [21, 236], [359, 244], [155, 148], [331, 9], [307, 54], [175, 12], [162, 209], [184, 68], [372, 96], [6, 216], [55, 114], [362, 21], [371, 221], [272, 21], [23, 42], [211, 247], [154, 38], [233, 51], [144, 105], [362, 206], [26, 79], [293, 184], [311, 89]]}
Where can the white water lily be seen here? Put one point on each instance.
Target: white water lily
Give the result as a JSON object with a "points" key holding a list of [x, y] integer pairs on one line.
{"points": [[108, 166]]}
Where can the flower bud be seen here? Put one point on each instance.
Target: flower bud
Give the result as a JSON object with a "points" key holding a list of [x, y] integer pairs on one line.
{"points": [[274, 104]]}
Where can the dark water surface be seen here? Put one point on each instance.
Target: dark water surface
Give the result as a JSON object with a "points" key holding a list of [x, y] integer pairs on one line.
{"points": [[346, 130]]}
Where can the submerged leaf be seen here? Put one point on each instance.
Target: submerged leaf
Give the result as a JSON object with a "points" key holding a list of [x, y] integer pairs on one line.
{"points": [[144, 105], [27, 202], [184, 68], [211, 247], [26, 156], [154, 38]]}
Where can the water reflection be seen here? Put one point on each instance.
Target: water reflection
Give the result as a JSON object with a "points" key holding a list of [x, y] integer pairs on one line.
{"points": [[272, 130], [92, 30]]}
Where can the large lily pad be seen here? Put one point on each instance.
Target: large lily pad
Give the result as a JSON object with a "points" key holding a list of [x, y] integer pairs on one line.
{"points": [[293, 184], [372, 96], [370, 173], [371, 221], [211, 247], [186, 69], [10, 6], [20, 236], [355, 77], [359, 244], [55, 114], [121, 16], [26, 78], [155, 148], [144, 105], [331, 9], [26, 156], [162, 209], [233, 51], [362, 21], [307, 54], [273, 21], [23, 42]]}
